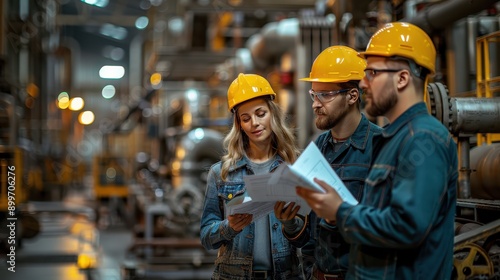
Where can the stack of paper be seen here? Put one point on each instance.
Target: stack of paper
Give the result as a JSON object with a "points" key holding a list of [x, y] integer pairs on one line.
{"points": [[265, 189]]}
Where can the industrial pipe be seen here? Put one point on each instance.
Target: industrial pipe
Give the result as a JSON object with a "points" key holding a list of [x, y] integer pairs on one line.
{"points": [[194, 154], [441, 15], [275, 39], [464, 188], [485, 176], [474, 115]]}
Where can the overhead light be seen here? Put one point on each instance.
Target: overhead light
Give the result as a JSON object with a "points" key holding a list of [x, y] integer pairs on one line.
{"points": [[111, 72], [113, 31], [97, 3], [76, 103], [141, 22], [86, 117], [108, 91]]}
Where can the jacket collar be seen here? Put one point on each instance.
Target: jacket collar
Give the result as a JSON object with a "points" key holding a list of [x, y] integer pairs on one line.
{"points": [[360, 136], [244, 161], [417, 109]]}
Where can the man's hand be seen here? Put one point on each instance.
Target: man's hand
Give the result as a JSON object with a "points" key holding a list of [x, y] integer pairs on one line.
{"points": [[285, 213], [325, 205], [239, 221]]}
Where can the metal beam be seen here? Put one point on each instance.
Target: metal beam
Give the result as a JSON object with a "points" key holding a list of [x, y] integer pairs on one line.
{"points": [[84, 20], [441, 15]]}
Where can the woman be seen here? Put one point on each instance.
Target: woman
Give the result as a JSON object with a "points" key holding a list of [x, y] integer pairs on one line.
{"points": [[258, 142]]}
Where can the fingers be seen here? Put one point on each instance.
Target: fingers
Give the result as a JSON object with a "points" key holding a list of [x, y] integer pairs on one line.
{"points": [[305, 193], [325, 205], [285, 210], [323, 184], [278, 208], [239, 221]]}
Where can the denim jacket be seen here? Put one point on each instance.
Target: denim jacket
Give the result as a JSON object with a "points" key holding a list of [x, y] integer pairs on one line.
{"points": [[404, 226], [322, 244], [235, 256]]}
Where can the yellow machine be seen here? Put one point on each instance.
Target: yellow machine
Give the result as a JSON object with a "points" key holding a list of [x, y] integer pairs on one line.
{"points": [[12, 192], [110, 177]]}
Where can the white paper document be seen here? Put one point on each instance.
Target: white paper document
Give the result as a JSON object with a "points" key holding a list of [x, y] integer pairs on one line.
{"points": [[262, 188], [258, 209], [280, 185]]}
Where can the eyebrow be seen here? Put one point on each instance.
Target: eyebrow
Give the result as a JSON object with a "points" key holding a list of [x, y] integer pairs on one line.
{"points": [[255, 111]]}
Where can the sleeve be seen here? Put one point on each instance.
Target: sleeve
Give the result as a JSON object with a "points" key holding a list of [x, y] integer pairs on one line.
{"points": [[214, 228], [418, 189], [300, 236]]}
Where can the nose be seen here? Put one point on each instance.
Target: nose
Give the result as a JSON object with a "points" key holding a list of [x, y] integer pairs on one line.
{"points": [[316, 103], [363, 83], [255, 121]]}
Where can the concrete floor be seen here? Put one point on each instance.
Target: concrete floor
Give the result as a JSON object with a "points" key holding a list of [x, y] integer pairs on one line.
{"points": [[67, 230]]}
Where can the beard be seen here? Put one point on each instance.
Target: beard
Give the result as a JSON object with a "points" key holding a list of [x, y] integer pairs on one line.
{"points": [[382, 105], [325, 121]]}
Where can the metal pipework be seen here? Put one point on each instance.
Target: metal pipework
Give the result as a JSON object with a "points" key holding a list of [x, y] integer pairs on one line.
{"points": [[464, 189], [441, 15], [485, 164], [464, 117], [475, 115]]}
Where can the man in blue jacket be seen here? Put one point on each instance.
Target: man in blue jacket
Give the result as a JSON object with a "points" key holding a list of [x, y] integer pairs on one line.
{"points": [[346, 143], [403, 228]]}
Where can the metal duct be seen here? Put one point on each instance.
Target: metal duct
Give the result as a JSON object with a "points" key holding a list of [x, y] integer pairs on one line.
{"points": [[485, 176], [195, 153], [464, 115], [275, 39], [475, 115], [439, 16]]}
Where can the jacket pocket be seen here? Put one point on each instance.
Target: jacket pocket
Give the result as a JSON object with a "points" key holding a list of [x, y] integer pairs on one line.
{"points": [[378, 186], [354, 177], [378, 175], [231, 192]]}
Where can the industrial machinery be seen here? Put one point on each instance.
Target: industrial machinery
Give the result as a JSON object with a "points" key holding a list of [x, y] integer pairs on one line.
{"points": [[166, 197], [475, 121], [151, 169]]}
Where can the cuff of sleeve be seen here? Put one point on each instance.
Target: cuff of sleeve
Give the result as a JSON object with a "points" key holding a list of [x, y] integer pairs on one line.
{"points": [[227, 232], [328, 225], [343, 212], [299, 233]]}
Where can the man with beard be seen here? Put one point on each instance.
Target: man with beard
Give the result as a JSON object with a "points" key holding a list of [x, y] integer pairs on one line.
{"points": [[403, 228], [346, 144]]}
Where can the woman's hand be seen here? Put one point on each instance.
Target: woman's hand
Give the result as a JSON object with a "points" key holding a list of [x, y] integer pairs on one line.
{"points": [[285, 213], [239, 221]]}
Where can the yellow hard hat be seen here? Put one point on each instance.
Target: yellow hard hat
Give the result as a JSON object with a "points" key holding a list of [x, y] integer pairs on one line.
{"points": [[405, 40], [337, 64], [246, 87]]}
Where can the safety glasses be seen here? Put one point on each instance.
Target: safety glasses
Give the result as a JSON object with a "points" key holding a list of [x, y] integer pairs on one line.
{"points": [[325, 96], [370, 73]]}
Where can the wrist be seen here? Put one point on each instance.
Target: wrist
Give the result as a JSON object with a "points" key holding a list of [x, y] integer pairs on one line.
{"points": [[331, 222]]}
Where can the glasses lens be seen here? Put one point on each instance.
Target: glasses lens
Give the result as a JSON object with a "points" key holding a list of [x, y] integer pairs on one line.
{"points": [[369, 73], [326, 96], [312, 94]]}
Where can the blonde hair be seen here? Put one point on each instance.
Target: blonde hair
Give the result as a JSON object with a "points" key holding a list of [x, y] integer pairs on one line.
{"points": [[236, 141]]}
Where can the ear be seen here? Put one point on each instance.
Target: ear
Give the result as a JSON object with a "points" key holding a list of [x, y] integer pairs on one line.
{"points": [[353, 96], [403, 79]]}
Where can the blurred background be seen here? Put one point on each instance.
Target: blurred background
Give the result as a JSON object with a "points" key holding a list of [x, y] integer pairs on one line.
{"points": [[112, 112]]}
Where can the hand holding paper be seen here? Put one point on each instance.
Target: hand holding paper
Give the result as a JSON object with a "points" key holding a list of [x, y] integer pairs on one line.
{"points": [[281, 183], [312, 164], [257, 209], [325, 204]]}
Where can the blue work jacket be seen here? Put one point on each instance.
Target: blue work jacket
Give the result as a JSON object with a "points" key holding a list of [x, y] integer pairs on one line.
{"points": [[404, 226], [235, 256], [322, 244]]}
